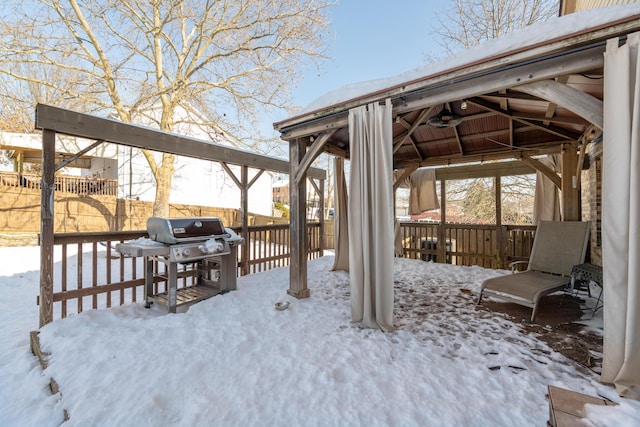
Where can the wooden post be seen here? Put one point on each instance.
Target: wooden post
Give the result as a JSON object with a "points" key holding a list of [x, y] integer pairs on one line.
{"points": [[321, 217], [244, 217], [298, 222], [442, 235], [46, 226], [497, 183], [570, 192], [244, 185]]}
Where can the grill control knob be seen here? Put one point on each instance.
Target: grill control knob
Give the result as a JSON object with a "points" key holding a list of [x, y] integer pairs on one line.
{"points": [[186, 252]]}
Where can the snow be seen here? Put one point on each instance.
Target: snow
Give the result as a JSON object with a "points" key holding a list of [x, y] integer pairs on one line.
{"points": [[502, 46], [236, 360]]}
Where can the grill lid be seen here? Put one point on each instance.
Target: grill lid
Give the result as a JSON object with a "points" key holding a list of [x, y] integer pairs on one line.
{"points": [[176, 230]]}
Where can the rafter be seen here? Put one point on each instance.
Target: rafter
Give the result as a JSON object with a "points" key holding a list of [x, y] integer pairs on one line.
{"points": [[457, 159], [541, 167], [312, 153], [405, 174], [400, 140], [582, 104], [563, 133], [552, 107]]}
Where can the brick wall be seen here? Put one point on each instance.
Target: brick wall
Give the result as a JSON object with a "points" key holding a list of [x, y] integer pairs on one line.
{"points": [[591, 188]]}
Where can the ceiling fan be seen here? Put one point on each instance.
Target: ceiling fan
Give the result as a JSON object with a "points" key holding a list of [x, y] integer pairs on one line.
{"points": [[444, 119]]}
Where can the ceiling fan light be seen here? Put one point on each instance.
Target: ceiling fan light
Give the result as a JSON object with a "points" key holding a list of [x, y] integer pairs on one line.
{"points": [[445, 119]]}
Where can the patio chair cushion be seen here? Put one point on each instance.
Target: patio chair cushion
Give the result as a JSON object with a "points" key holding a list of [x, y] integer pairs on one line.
{"points": [[557, 247], [528, 286]]}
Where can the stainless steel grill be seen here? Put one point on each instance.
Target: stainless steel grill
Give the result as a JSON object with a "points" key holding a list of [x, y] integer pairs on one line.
{"points": [[203, 242]]}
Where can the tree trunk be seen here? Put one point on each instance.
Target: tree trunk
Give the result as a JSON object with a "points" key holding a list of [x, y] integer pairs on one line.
{"points": [[163, 175]]}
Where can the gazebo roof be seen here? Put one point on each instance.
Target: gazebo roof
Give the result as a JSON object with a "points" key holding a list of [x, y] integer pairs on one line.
{"points": [[521, 95]]}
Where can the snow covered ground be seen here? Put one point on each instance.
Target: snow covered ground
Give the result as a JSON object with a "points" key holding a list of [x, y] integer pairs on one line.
{"points": [[236, 360]]}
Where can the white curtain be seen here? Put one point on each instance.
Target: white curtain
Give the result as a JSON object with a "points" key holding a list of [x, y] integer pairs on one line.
{"points": [[371, 215], [546, 205], [422, 190], [341, 231], [422, 194], [621, 216]]}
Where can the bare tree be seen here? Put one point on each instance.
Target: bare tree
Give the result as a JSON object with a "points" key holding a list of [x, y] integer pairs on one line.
{"points": [[230, 60], [469, 22]]}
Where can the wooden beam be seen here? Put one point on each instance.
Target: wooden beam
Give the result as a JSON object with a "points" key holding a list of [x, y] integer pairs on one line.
{"points": [[552, 107], [572, 63], [550, 148], [582, 104], [489, 75], [314, 127], [504, 102], [405, 174], [508, 95], [485, 170], [544, 118], [417, 122], [312, 153], [235, 179], [338, 152], [541, 167], [86, 126], [493, 134], [563, 133]]}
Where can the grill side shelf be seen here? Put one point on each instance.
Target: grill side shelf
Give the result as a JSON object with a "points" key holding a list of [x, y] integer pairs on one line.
{"points": [[136, 250]]}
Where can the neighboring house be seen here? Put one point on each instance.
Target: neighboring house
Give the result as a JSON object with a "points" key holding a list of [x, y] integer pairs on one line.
{"points": [[571, 6], [281, 191], [281, 195], [195, 182]]}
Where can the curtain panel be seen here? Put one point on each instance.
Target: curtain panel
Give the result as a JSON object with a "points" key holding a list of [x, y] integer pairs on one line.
{"points": [[370, 207], [621, 216], [340, 222]]}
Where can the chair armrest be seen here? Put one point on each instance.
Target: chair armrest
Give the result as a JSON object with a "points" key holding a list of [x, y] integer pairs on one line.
{"points": [[512, 265]]}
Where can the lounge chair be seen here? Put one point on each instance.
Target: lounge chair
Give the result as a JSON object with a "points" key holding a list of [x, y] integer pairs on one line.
{"points": [[557, 247]]}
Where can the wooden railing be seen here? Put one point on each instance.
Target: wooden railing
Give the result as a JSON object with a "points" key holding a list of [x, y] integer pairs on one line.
{"points": [[488, 246], [65, 184], [269, 246], [92, 275]]}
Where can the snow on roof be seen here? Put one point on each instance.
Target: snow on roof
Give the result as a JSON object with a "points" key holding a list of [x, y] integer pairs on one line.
{"points": [[557, 28]]}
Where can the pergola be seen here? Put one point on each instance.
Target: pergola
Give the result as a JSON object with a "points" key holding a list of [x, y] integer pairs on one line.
{"points": [[536, 92], [53, 120], [536, 98]]}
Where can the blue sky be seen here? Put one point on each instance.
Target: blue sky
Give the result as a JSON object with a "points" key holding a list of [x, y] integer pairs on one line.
{"points": [[373, 39]]}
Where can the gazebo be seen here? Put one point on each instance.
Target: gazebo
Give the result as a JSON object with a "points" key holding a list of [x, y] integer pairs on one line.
{"points": [[557, 87]]}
